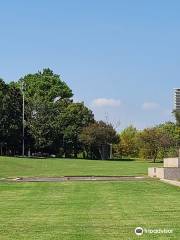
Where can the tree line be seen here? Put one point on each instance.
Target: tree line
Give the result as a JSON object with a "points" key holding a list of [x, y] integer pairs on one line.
{"points": [[154, 143], [55, 125]]}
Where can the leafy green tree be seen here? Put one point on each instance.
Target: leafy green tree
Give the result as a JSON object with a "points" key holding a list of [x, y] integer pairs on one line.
{"points": [[58, 125], [75, 117], [97, 138], [45, 86], [127, 145], [10, 118], [40, 126], [172, 131], [3, 90], [45, 94], [177, 116], [151, 141]]}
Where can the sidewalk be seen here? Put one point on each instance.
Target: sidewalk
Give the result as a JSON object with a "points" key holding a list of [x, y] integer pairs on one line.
{"points": [[172, 182]]}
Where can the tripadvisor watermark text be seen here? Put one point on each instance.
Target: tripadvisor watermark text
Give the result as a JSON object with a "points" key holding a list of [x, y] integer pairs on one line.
{"points": [[140, 231]]}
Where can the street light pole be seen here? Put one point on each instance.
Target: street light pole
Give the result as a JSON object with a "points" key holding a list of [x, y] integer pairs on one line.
{"points": [[22, 118], [111, 155]]}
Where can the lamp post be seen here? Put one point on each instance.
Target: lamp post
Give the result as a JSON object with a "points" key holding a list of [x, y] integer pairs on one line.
{"points": [[22, 89], [111, 155]]}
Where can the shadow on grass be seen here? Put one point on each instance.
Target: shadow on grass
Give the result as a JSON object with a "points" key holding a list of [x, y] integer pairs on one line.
{"points": [[86, 159], [121, 159]]}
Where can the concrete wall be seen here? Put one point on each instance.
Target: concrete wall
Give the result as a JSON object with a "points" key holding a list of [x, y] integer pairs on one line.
{"points": [[165, 173], [160, 173], [171, 170], [156, 172], [172, 173], [152, 172], [172, 162]]}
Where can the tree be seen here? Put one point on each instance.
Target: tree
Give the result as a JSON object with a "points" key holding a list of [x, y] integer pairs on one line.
{"points": [[3, 91], [45, 92], [10, 118], [172, 131], [75, 117], [41, 126], [128, 146], [151, 141], [97, 138], [177, 116], [57, 125], [45, 86]]}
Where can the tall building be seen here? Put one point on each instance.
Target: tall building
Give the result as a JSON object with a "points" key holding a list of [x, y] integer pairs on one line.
{"points": [[177, 99]]}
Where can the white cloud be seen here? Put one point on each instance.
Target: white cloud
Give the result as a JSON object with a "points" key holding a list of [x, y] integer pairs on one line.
{"points": [[150, 106], [106, 102]]}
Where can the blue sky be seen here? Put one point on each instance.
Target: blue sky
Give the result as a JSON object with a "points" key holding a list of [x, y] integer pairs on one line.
{"points": [[121, 57]]}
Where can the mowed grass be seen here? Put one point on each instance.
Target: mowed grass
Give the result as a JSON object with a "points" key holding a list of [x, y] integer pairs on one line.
{"points": [[88, 210], [91, 210], [23, 167]]}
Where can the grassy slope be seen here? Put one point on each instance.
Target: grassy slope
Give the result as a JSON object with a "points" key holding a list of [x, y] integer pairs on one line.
{"points": [[12, 167], [87, 210]]}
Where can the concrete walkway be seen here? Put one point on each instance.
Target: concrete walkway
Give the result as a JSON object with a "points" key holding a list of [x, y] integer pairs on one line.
{"points": [[172, 182], [80, 178]]}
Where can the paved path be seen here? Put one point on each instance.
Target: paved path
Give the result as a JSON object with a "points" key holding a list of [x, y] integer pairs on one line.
{"points": [[80, 178], [172, 182]]}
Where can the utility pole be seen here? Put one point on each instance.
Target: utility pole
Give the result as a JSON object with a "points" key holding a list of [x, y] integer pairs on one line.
{"points": [[22, 88]]}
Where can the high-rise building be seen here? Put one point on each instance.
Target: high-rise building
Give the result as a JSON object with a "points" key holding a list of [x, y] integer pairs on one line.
{"points": [[177, 99]]}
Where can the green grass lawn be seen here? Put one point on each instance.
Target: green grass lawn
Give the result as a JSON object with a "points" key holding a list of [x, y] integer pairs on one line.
{"points": [[87, 210], [84, 210], [13, 167]]}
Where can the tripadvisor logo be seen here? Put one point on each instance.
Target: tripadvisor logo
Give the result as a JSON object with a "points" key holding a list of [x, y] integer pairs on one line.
{"points": [[138, 231]]}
